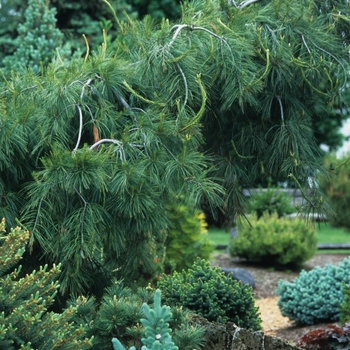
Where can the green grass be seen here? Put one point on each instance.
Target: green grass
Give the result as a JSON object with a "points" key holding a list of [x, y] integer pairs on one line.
{"points": [[326, 234], [329, 234]]}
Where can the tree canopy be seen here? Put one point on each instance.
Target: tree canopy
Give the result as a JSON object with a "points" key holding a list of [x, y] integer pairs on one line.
{"points": [[96, 147]]}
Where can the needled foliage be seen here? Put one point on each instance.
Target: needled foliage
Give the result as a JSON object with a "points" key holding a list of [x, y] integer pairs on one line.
{"points": [[271, 200], [273, 240], [207, 291], [119, 312], [25, 320], [103, 172], [37, 40], [157, 331], [187, 239], [345, 306], [315, 296], [201, 107], [337, 188]]}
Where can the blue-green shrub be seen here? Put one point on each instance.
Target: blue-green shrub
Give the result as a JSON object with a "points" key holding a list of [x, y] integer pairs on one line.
{"points": [[157, 331], [315, 296], [273, 240]]}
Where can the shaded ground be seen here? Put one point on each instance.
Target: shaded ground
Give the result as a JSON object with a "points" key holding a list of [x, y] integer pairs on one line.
{"points": [[266, 280]]}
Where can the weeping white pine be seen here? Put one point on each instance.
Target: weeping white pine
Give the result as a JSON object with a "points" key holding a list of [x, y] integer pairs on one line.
{"points": [[225, 98]]}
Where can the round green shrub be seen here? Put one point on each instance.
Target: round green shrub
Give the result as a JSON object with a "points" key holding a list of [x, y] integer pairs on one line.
{"points": [[207, 291], [273, 240], [315, 296]]}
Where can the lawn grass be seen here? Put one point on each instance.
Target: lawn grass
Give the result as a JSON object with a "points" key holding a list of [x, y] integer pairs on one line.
{"points": [[326, 234]]}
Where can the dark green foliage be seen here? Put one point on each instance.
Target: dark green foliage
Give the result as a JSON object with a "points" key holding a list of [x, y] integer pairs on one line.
{"points": [[25, 320], [157, 331], [275, 241], [329, 338], [315, 296], [207, 291], [345, 306], [118, 315], [336, 187], [270, 200], [157, 9], [187, 238]]}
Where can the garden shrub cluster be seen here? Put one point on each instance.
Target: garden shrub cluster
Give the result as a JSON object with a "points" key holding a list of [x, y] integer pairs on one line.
{"points": [[273, 240], [86, 323], [118, 315], [207, 291], [316, 295]]}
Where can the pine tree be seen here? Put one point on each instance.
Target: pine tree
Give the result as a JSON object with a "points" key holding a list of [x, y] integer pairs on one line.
{"points": [[218, 101], [24, 302]]}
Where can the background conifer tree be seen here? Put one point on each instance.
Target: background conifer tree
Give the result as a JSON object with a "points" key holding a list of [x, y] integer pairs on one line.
{"points": [[38, 38]]}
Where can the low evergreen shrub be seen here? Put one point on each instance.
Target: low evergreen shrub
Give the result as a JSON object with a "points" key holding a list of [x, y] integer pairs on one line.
{"points": [[118, 315], [273, 240], [271, 200], [207, 291], [157, 331], [187, 239], [315, 296], [25, 322]]}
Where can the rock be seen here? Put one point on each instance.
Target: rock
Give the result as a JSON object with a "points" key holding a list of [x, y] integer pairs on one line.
{"points": [[239, 274], [228, 336]]}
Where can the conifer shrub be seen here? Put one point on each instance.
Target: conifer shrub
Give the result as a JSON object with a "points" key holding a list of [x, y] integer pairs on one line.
{"points": [[38, 38], [156, 324], [271, 200], [315, 296], [345, 306], [273, 240], [25, 321], [118, 315], [206, 290], [187, 238]]}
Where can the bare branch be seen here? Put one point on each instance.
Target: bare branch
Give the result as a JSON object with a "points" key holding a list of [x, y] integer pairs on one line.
{"points": [[116, 142], [281, 108], [80, 128], [243, 4]]}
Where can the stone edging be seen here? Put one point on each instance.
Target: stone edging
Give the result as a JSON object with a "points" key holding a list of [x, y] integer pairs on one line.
{"points": [[230, 337]]}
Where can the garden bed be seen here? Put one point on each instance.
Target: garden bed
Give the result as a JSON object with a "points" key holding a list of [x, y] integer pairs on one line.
{"points": [[266, 279]]}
